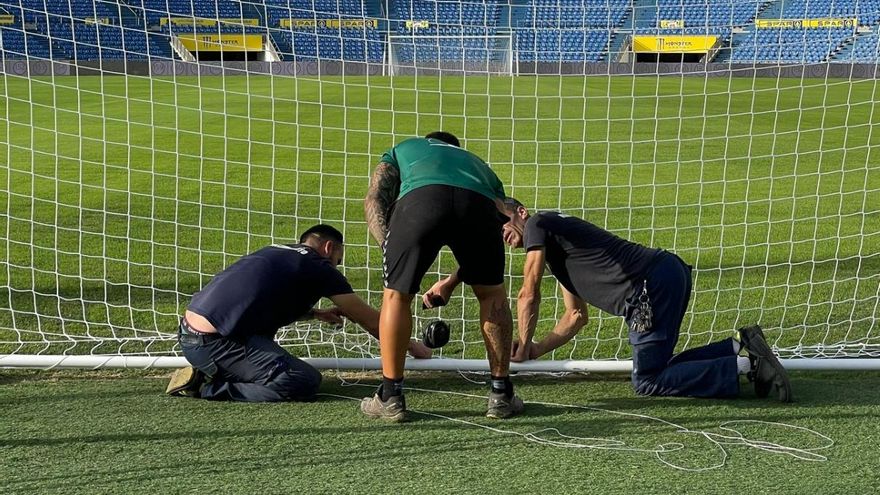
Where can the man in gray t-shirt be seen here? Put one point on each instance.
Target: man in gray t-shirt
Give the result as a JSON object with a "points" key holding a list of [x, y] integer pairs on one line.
{"points": [[650, 288]]}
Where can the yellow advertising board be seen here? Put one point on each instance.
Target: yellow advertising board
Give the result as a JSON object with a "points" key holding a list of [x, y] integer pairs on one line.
{"points": [[187, 21], [241, 22], [201, 22], [98, 20], [329, 23], [7, 19], [673, 44], [672, 23], [826, 22], [222, 42], [417, 24]]}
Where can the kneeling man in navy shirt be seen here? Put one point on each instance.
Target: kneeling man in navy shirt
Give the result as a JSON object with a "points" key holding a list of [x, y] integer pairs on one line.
{"points": [[227, 332]]}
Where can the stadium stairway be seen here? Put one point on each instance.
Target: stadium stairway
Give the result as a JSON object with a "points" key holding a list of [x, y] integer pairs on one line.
{"points": [[771, 9], [863, 48], [843, 53], [643, 13], [621, 35], [129, 16], [517, 12], [503, 28], [373, 8], [254, 11]]}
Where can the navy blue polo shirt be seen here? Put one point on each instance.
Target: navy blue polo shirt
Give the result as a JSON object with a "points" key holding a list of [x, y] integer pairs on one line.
{"points": [[589, 261], [268, 289]]}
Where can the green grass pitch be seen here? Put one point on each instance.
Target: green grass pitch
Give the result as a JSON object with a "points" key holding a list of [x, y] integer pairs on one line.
{"points": [[124, 195], [97, 432]]}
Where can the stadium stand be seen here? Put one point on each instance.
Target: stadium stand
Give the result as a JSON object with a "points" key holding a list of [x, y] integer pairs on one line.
{"points": [[155, 10], [445, 30], [788, 45], [320, 39], [567, 30], [867, 11], [697, 14], [799, 43], [79, 30], [453, 31], [862, 48]]}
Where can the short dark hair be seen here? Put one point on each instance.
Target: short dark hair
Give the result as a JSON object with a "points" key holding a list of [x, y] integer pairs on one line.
{"points": [[323, 232], [446, 137], [511, 204]]}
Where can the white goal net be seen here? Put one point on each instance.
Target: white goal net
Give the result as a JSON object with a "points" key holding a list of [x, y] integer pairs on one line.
{"points": [[148, 144]]}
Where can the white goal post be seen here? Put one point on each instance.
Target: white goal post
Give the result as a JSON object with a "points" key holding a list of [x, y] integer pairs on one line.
{"points": [[452, 54], [474, 365]]}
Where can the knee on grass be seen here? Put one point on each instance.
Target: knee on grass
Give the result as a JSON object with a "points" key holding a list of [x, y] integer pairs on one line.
{"points": [[300, 384], [643, 385]]}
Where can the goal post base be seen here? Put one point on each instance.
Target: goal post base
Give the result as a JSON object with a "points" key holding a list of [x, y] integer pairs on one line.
{"points": [[478, 365]]}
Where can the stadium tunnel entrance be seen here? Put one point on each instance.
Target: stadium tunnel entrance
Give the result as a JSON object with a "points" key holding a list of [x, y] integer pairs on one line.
{"points": [[224, 47], [675, 58], [673, 48]]}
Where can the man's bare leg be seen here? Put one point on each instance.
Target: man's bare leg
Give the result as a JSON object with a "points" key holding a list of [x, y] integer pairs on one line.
{"points": [[395, 328], [497, 326], [496, 322]]}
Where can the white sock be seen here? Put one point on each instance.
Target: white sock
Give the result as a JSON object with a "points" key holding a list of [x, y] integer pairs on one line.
{"points": [[743, 365], [736, 346]]}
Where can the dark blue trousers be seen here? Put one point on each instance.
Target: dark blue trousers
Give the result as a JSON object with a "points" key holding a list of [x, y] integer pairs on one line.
{"points": [[251, 369], [708, 371]]}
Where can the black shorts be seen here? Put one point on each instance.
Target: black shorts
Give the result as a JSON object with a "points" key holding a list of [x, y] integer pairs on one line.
{"points": [[431, 217]]}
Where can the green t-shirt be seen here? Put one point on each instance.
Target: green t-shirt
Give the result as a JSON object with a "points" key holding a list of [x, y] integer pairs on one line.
{"points": [[424, 162]]}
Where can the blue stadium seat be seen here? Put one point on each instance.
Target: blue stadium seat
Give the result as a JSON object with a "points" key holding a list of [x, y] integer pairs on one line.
{"points": [[575, 13], [721, 14], [568, 30], [788, 45], [314, 42], [865, 48], [808, 45], [456, 31]]}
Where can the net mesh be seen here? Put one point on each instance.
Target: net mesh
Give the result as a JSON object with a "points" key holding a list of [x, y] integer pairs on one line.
{"points": [[131, 177]]}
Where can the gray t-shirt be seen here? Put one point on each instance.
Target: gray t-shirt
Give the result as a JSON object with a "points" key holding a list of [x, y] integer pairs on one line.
{"points": [[590, 262]]}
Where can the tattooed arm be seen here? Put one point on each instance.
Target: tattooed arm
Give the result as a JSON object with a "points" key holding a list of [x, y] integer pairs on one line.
{"points": [[384, 188]]}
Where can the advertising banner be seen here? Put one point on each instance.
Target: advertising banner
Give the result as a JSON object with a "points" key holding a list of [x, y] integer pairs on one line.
{"points": [[329, 23], [673, 44], [806, 23], [222, 42]]}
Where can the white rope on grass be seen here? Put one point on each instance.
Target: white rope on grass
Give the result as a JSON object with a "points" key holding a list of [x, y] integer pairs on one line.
{"points": [[719, 440]]}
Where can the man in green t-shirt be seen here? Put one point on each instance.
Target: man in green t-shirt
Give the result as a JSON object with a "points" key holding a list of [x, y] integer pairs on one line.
{"points": [[427, 193]]}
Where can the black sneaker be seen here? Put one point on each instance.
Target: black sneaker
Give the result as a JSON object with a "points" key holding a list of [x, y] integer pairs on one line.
{"points": [[501, 406], [185, 382], [394, 409], [768, 372]]}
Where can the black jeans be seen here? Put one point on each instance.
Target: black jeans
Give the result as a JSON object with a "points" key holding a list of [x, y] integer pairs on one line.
{"points": [[248, 369]]}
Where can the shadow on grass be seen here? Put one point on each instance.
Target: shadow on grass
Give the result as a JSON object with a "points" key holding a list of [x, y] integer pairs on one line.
{"points": [[188, 464], [827, 394], [10, 377], [546, 397]]}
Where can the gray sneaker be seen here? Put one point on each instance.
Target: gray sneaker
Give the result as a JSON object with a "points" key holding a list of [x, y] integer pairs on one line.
{"points": [[394, 409], [500, 406], [185, 382], [768, 372]]}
